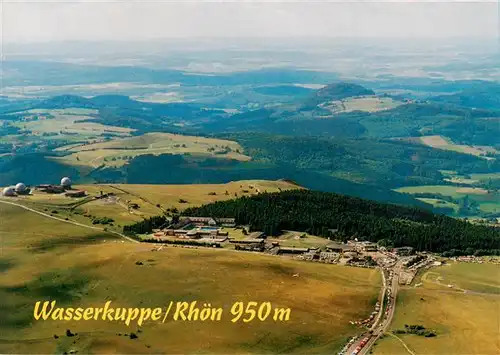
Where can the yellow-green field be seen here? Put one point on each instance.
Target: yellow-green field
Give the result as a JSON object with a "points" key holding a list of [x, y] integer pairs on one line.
{"points": [[159, 97], [67, 122], [45, 259], [366, 103], [486, 177], [83, 89], [117, 152], [464, 315], [447, 190], [152, 200], [195, 195], [444, 143], [300, 240], [488, 201], [461, 180]]}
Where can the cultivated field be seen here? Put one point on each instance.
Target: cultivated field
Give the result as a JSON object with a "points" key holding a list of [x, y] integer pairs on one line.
{"points": [[84, 89], [72, 125], [66, 121], [366, 104], [118, 152], [46, 259], [458, 301], [488, 201], [444, 143], [159, 97], [486, 177], [452, 191]]}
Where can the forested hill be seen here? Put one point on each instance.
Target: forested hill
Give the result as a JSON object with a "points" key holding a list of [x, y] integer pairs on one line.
{"points": [[392, 225], [338, 91]]}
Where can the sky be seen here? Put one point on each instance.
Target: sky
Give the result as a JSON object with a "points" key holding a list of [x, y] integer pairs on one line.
{"points": [[128, 20]]}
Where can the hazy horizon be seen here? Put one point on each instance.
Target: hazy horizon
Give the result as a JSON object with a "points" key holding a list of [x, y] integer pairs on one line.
{"points": [[119, 21]]}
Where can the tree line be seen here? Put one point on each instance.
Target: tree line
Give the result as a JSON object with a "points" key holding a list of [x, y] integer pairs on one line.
{"points": [[344, 217], [145, 226]]}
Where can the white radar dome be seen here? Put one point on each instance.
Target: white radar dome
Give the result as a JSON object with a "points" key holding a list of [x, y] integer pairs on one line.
{"points": [[66, 182], [8, 191], [20, 187]]}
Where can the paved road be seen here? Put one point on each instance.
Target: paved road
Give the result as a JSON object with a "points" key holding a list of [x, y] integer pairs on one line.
{"points": [[67, 221], [382, 322], [386, 322]]}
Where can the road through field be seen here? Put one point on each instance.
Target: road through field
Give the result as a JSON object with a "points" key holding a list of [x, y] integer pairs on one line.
{"points": [[67, 221], [392, 307], [380, 327]]}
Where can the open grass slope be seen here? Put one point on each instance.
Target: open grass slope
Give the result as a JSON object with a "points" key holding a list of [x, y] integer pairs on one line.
{"points": [[464, 316], [300, 240], [198, 194], [66, 121], [47, 259], [151, 200], [488, 201], [117, 152], [444, 143], [363, 104], [486, 177], [446, 190]]}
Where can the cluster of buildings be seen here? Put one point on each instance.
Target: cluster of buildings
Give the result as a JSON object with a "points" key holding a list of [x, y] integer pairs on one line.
{"points": [[55, 189], [210, 229], [19, 189], [353, 252], [64, 187], [197, 228]]}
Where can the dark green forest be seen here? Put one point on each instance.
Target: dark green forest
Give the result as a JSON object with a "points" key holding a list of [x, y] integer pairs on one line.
{"points": [[386, 163]]}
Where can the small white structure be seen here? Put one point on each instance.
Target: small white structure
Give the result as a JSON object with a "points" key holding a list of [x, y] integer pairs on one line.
{"points": [[9, 191], [20, 188], [66, 182]]}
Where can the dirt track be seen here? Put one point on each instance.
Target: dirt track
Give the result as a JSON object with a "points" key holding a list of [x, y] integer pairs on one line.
{"points": [[67, 221]]}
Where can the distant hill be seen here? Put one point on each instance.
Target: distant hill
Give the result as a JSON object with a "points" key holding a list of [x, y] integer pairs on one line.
{"points": [[461, 124], [53, 73], [303, 117], [67, 101], [284, 90], [384, 163], [483, 95], [337, 91], [122, 111], [446, 115], [121, 101]]}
